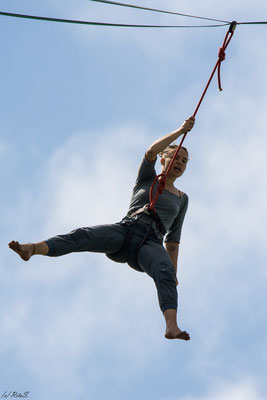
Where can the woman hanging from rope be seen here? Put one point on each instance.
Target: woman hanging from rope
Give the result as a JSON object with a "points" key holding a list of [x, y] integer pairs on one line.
{"points": [[138, 238]]}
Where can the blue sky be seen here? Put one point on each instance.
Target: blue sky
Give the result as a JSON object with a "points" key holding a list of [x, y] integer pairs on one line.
{"points": [[79, 106]]}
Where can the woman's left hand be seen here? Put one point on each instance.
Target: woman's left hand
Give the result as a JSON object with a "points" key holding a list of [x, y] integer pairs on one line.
{"points": [[188, 124]]}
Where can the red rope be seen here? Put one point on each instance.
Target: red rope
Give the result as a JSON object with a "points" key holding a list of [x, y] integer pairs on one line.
{"points": [[161, 178]]}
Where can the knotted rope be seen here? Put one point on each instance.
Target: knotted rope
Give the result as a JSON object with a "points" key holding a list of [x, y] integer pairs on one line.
{"points": [[161, 178]]}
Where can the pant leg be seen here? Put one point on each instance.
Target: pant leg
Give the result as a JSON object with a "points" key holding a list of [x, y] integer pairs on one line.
{"points": [[99, 239], [155, 261]]}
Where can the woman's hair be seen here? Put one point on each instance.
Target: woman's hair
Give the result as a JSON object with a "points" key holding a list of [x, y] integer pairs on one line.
{"points": [[169, 149]]}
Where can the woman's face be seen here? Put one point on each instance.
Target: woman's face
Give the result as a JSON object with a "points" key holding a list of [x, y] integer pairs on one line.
{"points": [[179, 164]]}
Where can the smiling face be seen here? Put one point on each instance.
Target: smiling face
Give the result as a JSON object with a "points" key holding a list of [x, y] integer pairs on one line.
{"points": [[179, 164]]}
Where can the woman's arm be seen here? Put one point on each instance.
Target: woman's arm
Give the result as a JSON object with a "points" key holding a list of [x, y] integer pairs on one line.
{"points": [[172, 249], [161, 144]]}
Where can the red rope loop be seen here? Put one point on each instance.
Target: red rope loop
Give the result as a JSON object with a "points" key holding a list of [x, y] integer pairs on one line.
{"points": [[221, 58]]}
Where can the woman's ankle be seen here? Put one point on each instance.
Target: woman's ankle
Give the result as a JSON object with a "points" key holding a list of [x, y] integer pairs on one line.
{"points": [[170, 316], [41, 248]]}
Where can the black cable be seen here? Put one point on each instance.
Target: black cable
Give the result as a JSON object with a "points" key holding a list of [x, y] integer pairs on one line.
{"points": [[160, 11], [252, 23], [71, 21]]}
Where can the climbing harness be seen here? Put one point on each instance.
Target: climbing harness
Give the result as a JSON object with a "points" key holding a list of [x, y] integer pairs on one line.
{"points": [[156, 218], [133, 240]]}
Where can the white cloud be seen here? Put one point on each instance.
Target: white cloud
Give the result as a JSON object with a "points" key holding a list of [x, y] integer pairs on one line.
{"points": [[67, 197], [89, 180], [78, 190], [69, 305], [244, 390]]}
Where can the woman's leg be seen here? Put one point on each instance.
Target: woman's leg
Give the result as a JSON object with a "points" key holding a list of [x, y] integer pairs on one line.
{"points": [[101, 239], [154, 260]]}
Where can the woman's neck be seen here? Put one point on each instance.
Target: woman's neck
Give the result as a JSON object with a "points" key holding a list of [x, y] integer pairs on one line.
{"points": [[170, 182]]}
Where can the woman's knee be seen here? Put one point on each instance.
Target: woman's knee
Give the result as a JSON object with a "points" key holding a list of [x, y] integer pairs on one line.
{"points": [[165, 275], [165, 281]]}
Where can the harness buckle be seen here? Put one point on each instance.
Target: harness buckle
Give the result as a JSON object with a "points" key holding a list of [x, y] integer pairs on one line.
{"points": [[146, 209]]}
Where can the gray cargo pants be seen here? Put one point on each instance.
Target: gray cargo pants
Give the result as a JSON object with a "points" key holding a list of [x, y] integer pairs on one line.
{"points": [[122, 246]]}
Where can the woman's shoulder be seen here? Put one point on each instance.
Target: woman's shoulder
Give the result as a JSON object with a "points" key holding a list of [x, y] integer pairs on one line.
{"points": [[146, 171], [183, 194], [183, 197]]}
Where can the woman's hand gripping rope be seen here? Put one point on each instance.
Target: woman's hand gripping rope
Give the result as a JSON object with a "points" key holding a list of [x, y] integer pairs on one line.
{"points": [[188, 124], [161, 178], [185, 128]]}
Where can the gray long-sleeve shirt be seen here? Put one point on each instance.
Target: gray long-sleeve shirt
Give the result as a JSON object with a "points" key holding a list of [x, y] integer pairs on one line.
{"points": [[170, 207]]}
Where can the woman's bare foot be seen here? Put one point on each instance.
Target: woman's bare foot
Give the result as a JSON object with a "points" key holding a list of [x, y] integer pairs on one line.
{"points": [[173, 332], [25, 251]]}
